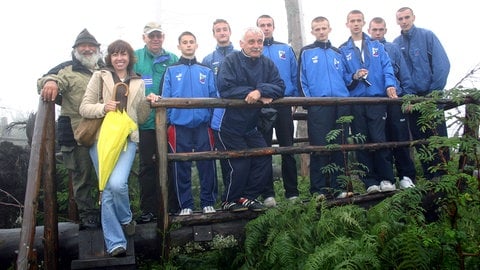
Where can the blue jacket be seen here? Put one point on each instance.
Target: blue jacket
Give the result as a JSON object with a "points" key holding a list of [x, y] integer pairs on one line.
{"points": [[284, 58], [377, 61], [400, 70], [321, 71], [187, 79], [214, 59], [426, 60], [239, 75]]}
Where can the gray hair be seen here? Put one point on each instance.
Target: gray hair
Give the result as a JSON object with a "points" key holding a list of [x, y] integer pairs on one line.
{"points": [[254, 30]]}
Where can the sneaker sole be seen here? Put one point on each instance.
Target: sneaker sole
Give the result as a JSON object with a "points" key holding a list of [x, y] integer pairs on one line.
{"points": [[258, 209], [238, 209]]}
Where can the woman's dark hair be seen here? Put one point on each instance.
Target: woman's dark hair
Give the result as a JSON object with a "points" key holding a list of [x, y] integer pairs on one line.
{"points": [[119, 46]]}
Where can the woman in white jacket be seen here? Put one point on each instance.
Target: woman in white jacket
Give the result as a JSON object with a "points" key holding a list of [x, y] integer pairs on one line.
{"points": [[117, 87]]}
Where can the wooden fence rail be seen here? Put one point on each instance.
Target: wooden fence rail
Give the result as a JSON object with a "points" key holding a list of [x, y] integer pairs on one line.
{"points": [[164, 157]]}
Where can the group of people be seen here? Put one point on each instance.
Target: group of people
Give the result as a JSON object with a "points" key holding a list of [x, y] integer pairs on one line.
{"points": [[368, 66], [262, 70]]}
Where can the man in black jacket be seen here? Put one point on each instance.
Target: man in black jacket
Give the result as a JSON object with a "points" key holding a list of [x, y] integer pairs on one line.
{"points": [[250, 76]]}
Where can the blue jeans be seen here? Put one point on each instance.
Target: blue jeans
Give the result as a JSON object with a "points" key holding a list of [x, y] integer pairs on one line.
{"points": [[115, 201]]}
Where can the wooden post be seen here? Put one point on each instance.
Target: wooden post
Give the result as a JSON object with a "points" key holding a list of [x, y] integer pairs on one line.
{"points": [[27, 236], [50, 192], [162, 144]]}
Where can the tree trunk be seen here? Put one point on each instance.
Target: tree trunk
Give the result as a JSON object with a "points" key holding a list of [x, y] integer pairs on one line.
{"points": [[297, 41]]}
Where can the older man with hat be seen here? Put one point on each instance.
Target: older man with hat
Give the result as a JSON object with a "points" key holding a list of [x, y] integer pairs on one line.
{"points": [[152, 61], [65, 84]]}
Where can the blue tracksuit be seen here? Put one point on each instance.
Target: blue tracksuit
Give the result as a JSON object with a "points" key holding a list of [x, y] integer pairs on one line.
{"points": [[429, 66], [369, 120], [285, 60], [189, 129], [214, 59], [397, 122], [321, 72], [235, 128], [426, 60]]}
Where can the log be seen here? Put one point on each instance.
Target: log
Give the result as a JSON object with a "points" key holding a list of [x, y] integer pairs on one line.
{"points": [[68, 244], [194, 228], [146, 241]]}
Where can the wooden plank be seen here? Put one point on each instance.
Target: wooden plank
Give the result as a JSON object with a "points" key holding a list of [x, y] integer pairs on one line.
{"points": [[105, 263], [92, 254]]}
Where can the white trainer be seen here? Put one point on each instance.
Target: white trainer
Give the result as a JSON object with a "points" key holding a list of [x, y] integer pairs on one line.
{"points": [[186, 212], [270, 202], [373, 189], [293, 198], [406, 182], [344, 195], [208, 210], [386, 185]]}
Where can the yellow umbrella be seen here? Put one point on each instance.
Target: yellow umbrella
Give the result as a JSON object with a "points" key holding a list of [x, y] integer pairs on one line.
{"points": [[112, 139]]}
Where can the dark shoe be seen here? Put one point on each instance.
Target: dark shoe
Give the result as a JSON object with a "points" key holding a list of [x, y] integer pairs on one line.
{"points": [[147, 217], [253, 205], [90, 222], [234, 207], [119, 252], [129, 228]]}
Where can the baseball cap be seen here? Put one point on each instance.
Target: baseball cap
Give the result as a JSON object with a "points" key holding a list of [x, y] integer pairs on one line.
{"points": [[152, 26]]}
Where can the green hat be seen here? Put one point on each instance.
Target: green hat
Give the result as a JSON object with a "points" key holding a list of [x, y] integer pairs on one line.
{"points": [[85, 37]]}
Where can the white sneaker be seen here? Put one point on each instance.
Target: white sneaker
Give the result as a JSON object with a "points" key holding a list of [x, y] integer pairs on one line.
{"points": [[373, 189], [293, 198], [386, 185], [208, 210], [406, 182], [344, 195], [270, 202], [186, 212]]}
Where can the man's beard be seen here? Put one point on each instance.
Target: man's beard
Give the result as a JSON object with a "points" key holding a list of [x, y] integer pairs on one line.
{"points": [[89, 61]]}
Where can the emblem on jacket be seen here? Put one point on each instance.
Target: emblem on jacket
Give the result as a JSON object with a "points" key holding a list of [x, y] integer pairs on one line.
{"points": [[203, 78]]}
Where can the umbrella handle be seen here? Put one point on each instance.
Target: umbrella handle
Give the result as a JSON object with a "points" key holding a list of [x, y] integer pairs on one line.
{"points": [[117, 85]]}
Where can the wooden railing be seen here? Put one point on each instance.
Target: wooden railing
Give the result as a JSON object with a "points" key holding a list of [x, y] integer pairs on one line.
{"points": [[164, 157]]}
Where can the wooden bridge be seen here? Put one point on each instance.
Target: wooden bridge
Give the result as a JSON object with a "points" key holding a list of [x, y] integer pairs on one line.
{"points": [[154, 238]]}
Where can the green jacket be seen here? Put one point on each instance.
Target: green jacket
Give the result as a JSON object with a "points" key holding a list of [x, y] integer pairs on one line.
{"points": [[72, 79], [152, 68]]}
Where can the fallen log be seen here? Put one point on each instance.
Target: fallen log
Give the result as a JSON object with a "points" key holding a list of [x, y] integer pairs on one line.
{"points": [[184, 229]]}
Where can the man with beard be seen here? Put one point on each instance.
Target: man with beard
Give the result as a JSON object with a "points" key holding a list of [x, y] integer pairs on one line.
{"points": [[65, 84]]}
